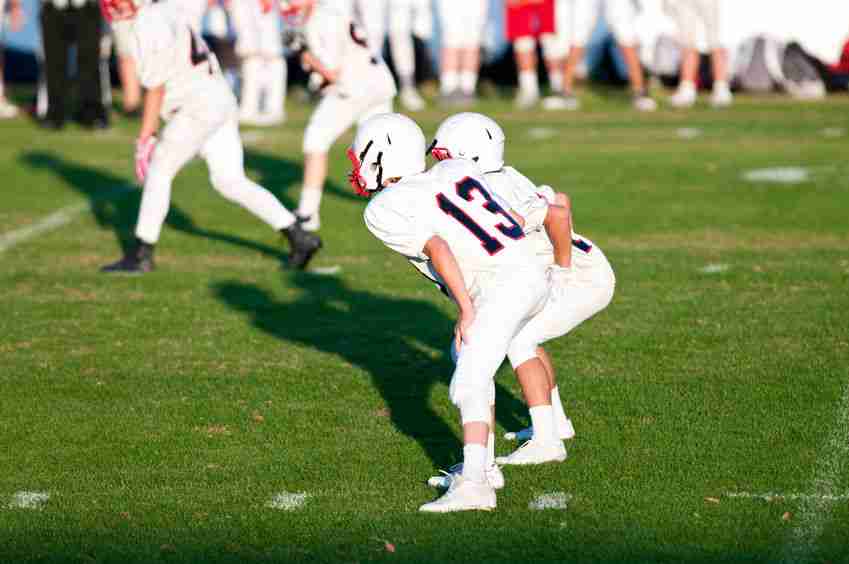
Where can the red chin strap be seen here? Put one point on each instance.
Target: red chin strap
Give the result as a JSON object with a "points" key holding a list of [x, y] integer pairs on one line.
{"points": [[358, 183], [440, 153]]}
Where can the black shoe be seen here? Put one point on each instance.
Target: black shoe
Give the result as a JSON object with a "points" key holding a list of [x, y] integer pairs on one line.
{"points": [[302, 245], [98, 123], [51, 124], [137, 261]]}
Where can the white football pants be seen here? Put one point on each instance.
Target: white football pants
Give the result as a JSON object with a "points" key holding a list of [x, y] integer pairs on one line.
{"points": [[573, 301], [218, 143], [504, 305]]}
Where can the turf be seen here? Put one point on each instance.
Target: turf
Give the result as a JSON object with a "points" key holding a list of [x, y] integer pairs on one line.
{"points": [[164, 414]]}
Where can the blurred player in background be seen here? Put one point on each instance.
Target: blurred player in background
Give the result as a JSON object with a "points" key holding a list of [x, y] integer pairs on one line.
{"points": [[579, 291], [576, 20], [405, 19], [462, 24], [186, 88], [259, 45], [527, 20], [699, 19], [12, 10], [447, 223], [353, 81]]}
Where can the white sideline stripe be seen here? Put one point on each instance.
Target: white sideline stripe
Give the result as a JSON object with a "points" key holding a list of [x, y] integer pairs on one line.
{"points": [[816, 511], [553, 500], [28, 500], [53, 221], [776, 496], [688, 132], [714, 268], [778, 175], [288, 501]]}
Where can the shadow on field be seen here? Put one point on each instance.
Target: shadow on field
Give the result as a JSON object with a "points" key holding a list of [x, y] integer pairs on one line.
{"points": [[278, 174], [388, 337], [115, 203]]}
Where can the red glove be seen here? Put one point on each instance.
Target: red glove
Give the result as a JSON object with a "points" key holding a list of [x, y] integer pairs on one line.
{"points": [[144, 154]]}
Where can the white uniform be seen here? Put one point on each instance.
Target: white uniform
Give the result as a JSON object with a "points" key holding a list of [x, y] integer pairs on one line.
{"points": [[462, 22], [200, 111], [507, 284], [575, 21], [696, 19], [364, 86], [573, 300], [259, 44], [404, 19]]}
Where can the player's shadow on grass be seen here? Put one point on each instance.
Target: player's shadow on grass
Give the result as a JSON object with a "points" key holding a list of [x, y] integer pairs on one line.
{"points": [[278, 175], [115, 203], [390, 338]]}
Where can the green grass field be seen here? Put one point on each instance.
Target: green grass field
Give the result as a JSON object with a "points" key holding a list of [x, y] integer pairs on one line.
{"points": [[175, 417]]}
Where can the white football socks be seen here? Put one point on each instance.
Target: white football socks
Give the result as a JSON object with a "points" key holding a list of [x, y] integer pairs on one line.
{"points": [[560, 418], [542, 419], [474, 462], [448, 82], [310, 201], [468, 82]]}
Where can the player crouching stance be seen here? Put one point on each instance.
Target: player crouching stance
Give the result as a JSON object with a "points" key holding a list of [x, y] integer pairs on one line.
{"points": [[448, 224], [185, 86], [578, 292]]}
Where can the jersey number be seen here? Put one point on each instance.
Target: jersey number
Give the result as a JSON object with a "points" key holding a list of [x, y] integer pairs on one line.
{"points": [[466, 189]]}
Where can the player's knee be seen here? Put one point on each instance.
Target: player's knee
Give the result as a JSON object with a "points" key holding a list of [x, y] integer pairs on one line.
{"points": [[471, 396], [524, 45], [521, 351]]}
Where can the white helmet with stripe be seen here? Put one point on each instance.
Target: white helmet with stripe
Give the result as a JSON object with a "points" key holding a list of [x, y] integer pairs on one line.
{"points": [[386, 146], [470, 136]]}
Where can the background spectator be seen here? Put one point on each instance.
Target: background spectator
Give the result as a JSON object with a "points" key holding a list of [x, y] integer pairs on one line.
{"points": [[65, 23], [7, 109]]}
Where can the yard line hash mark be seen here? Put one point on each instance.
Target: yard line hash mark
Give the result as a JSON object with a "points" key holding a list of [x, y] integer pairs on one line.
{"points": [[55, 220], [816, 510]]}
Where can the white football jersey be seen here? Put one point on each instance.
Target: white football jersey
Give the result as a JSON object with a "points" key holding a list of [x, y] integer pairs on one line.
{"points": [[451, 200], [341, 46], [519, 192], [169, 51]]}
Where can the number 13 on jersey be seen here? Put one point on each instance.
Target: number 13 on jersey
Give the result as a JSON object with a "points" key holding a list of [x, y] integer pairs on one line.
{"points": [[468, 188]]}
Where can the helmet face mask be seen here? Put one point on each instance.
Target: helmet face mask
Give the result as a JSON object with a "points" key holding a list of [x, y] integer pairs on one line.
{"points": [[386, 146], [119, 10], [470, 136]]}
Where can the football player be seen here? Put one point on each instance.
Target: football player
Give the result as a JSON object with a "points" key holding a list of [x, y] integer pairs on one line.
{"points": [[462, 26], [405, 18], [578, 293], [355, 85], [259, 45], [447, 222], [16, 20], [186, 88], [576, 20]]}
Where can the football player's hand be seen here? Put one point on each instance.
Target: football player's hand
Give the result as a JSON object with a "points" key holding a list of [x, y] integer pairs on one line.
{"points": [[144, 153], [265, 5], [461, 329]]}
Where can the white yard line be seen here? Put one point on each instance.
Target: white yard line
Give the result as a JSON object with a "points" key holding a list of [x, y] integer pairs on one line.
{"points": [[553, 500], [288, 501], [28, 500], [816, 510], [778, 496], [53, 221]]}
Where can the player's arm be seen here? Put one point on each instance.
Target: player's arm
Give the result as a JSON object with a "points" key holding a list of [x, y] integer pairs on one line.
{"points": [[312, 63], [445, 264], [558, 227], [146, 142]]}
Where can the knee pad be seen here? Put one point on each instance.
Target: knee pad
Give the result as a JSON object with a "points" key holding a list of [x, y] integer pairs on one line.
{"points": [[524, 45], [520, 351], [472, 398], [554, 46], [228, 186]]}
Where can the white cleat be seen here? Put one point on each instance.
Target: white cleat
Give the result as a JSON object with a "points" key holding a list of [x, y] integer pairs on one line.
{"points": [[643, 103], [412, 100], [463, 495], [7, 109], [721, 97], [526, 99], [559, 102], [493, 475], [683, 98], [565, 431], [534, 452]]}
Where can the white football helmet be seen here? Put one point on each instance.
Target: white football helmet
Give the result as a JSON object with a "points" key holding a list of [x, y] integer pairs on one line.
{"points": [[470, 136], [385, 146]]}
